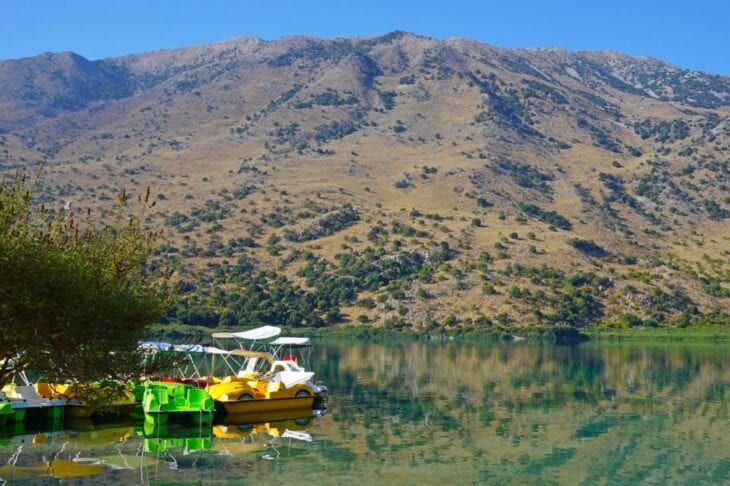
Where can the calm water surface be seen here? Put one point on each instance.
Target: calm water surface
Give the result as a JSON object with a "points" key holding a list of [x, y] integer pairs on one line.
{"points": [[436, 413]]}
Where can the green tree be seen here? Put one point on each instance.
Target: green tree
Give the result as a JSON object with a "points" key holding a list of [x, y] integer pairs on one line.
{"points": [[75, 298]]}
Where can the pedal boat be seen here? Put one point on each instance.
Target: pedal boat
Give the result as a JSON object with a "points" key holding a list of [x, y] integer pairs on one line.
{"points": [[162, 400], [285, 386], [27, 402], [283, 354]]}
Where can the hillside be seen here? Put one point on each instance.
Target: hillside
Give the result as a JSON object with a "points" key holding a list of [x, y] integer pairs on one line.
{"points": [[397, 181]]}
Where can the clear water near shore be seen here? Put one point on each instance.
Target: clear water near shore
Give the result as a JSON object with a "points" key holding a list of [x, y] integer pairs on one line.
{"points": [[437, 413]]}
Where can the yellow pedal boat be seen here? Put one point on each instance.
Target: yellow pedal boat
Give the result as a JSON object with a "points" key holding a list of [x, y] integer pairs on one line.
{"points": [[285, 386]]}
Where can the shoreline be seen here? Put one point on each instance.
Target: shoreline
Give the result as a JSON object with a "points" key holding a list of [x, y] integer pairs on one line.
{"points": [[696, 333], [558, 335]]}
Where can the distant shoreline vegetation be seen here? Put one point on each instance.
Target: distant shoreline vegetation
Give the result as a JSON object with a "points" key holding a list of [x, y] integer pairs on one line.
{"points": [[559, 335]]}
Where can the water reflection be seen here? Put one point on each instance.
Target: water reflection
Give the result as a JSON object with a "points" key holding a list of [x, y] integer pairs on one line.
{"points": [[112, 452], [427, 413], [529, 413]]}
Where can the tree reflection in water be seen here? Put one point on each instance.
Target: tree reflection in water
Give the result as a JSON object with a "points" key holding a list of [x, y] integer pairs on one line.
{"points": [[524, 412], [428, 413]]}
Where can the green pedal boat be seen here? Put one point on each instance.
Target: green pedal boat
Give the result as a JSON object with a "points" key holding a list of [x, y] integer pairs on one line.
{"points": [[162, 400]]}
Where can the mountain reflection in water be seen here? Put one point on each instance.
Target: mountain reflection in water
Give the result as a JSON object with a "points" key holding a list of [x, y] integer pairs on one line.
{"points": [[427, 413]]}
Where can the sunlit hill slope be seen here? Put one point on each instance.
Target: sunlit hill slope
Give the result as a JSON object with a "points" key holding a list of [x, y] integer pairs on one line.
{"points": [[397, 181]]}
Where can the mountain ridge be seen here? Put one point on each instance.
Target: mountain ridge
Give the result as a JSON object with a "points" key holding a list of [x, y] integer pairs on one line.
{"points": [[498, 178]]}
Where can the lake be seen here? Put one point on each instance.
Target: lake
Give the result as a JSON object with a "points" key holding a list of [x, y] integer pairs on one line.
{"points": [[436, 413]]}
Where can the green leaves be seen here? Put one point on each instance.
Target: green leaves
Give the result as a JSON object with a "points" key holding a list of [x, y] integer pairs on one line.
{"points": [[74, 299]]}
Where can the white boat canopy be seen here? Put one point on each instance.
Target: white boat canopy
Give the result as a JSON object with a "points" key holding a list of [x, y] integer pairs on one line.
{"points": [[291, 341], [214, 350], [263, 332], [222, 335]]}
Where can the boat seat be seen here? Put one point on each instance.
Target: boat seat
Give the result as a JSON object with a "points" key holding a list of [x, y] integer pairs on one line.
{"points": [[47, 390], [284, 365], [26, 392], [199, 399], [277, 368], [159, 400], [138, 393], [196, 398]]}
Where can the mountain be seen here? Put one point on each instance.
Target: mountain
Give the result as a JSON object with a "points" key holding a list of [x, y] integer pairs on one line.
{"points": [[398, 181]]}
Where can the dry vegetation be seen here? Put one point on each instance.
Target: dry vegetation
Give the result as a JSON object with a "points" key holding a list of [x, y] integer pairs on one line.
{"points": [[398, 181]]}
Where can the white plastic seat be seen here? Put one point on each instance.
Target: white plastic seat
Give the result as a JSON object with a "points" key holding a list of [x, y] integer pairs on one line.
{"points": [[26, 392]]}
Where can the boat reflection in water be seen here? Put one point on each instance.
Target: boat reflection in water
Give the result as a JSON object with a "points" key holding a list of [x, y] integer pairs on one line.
{"points": [[269, 438], [142, 452], [416, 412]]}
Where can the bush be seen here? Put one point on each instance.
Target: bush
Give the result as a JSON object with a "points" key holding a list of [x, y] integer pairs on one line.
{"points": [[716, 212], [333, 131], [483, 203], [526, 176], [488, 289], [450, 320], [328, 225], [366, 303], [388, 99], [549, 217], [588, 247], [409, 79]]}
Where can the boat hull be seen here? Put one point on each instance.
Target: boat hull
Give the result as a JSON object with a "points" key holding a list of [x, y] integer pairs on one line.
{"points": [[19, 414], [6, 417], [35, 410], [239, 407], [79, 411]]}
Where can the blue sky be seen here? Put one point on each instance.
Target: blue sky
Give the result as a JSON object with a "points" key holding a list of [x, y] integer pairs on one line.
{"points": [[693, 34]]}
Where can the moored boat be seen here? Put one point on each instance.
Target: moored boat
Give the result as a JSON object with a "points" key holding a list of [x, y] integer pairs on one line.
{"points": [[283, 386], [162, 400], [265, 375], [298, 349], [280, 354], [28, 403]]}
